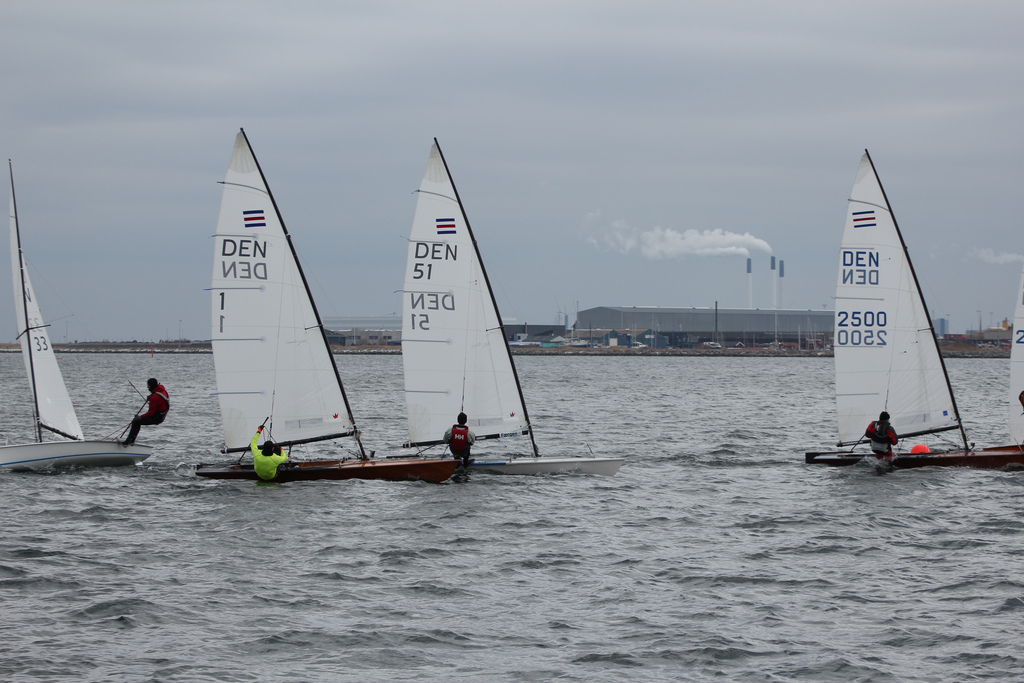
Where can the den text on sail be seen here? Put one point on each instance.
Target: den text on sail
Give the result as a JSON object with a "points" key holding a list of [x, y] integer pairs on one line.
{"points": [[859, 267], [423, 269]]}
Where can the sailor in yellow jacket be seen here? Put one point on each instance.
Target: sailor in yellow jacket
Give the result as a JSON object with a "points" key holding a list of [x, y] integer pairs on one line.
{"points": [[267, 457]]}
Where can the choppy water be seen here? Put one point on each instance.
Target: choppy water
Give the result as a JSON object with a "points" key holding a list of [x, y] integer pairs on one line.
{"points": [[713, 554]]}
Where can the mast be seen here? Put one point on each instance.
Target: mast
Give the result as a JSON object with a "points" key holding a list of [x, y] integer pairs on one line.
{"points": [[312, 303], [927, 313], [24, 305], [490, 291]]}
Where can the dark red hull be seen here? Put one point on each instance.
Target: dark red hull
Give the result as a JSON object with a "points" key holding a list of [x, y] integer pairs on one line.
{"points": [[986, 458], [388, 470]]}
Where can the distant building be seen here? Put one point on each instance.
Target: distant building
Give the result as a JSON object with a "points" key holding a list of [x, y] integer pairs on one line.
{"points": [[651, 338], [381, 330], [364, 331], [728, 326]]}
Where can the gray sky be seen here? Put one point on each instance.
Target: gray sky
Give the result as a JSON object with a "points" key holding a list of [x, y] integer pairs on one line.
{"points": [[586, 139]]}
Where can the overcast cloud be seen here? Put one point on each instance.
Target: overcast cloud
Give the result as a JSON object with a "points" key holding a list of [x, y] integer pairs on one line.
{"points": [[701, 131]]}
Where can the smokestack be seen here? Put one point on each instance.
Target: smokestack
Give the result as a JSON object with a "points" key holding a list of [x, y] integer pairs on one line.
{"points": [[782, 274], [750, 285], [775, 299]]}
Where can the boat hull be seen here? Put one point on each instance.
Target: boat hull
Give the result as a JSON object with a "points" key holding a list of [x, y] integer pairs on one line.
{"points": [[59, 454], [314, 470], [986, 458], [603, 466]]}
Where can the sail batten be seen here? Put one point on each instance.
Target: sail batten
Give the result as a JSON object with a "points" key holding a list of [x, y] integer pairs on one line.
{"points": [[886, 354], [259, 294]]}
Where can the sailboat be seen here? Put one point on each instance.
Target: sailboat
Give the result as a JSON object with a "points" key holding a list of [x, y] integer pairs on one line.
{"points": [[273, 364], [54, 411], [455, 351], [886, 353]]}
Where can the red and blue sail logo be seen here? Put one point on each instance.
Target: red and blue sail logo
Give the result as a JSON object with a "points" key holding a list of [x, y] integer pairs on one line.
{"points": [[445, 226], [864, 219], [254, 219]]}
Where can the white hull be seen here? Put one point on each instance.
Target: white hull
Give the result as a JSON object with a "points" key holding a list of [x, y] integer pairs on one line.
{"points": [[39, 456], [604, 466]]}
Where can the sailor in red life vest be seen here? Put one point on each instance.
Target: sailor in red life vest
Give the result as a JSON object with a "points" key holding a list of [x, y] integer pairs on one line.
{"points": [[459, 438], [882, 436], [159, 404]]}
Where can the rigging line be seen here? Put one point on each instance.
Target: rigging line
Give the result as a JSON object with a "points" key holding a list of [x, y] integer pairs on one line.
{"points": [[465, 356], [320, 286], [892, 347], [128, 379], [421, 451]]}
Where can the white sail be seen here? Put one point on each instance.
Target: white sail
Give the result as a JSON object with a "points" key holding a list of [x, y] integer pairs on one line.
{"points": [[454, 351], [886, 356], [1017, 368], [54, 406], [270, 353]]}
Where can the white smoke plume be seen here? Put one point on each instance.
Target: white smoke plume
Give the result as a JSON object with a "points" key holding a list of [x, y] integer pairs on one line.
{"points": [[659, 243], [1002, 258]]}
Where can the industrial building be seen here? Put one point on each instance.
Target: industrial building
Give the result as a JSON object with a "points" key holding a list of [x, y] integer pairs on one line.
{"points": [[364, 331], [685, 327], [628, 325], [385, 330]]}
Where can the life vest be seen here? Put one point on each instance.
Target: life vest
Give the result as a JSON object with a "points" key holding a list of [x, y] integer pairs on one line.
{"points": [[160, 392], [460, 438], [160, 412], [879, 435]]}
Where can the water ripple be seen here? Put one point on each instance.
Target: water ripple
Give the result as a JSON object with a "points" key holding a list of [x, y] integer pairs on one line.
{"points": [[714, 554]]}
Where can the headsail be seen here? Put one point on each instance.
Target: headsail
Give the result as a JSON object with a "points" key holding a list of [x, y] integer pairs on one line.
{"points": [[270, 350], [1017, 368], [886, 355], [454, 350], [54, 410]]}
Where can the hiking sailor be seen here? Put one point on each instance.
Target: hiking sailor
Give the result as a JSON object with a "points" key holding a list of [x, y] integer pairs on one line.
{"points": [[159, 404]]}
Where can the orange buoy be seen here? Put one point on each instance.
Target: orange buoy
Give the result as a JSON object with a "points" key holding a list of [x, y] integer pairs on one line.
{"points": [[920, 448]]}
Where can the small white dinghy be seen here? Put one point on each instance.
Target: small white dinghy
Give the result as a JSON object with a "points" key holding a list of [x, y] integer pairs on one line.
{"points": [[54, 411], [454, 347]]}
